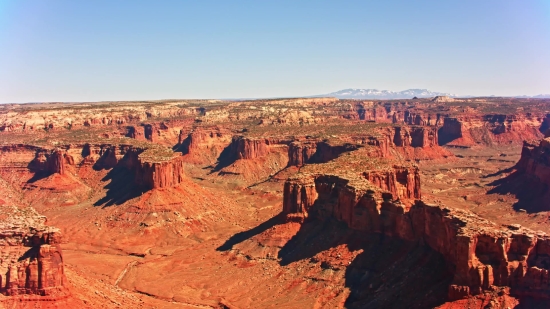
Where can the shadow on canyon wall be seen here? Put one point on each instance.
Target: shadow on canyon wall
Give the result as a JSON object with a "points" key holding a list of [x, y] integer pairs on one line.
{"points": [[121, 187], [386, 272], [533, 195]]}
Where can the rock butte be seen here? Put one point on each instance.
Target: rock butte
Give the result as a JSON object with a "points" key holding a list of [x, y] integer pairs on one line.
{"points": [[295, 203], [31, 260]]}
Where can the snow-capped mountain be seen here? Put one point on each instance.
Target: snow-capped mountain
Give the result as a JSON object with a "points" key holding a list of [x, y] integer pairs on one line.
{"points": [[354, 93]]}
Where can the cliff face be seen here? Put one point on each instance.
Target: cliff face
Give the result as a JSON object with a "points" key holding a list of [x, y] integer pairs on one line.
{"points": [[204, 145], [490, 129], [376, 114], [415, 136], [479, 254], [152, 167], [531, 182], [150, 132], [418, 119], [151, 175], [417, 142], [31, 260], [401, 182], [245, 148], [135, 132], [535, 160], [326, 152], [88, 116], [150, 170], [48, 161], [299, 153]]}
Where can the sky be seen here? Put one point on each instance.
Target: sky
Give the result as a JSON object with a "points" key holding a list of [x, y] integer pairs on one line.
{"points": [[66, 50]]}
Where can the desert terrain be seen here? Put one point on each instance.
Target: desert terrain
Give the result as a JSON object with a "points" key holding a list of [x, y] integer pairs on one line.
{"points": [[282, 203]]}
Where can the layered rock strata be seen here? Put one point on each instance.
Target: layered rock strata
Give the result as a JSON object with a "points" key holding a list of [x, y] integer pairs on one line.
{"points": [[489, 129], [246, 148], [153, 166], [299, 153], [204, 145], [415, 136], [48, 161], [31, 260], [480, 255], [535, 160]]}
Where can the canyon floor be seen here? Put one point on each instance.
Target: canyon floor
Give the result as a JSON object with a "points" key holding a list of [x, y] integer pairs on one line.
{"points": [[186, 204]]}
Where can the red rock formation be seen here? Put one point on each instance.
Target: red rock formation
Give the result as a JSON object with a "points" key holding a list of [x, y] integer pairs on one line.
{"points": [[417, 142], [151, 175], [415, 136], [531, 183], [479, 254], [135, 132], [489, 129], [535, 159], [31, 259], [155, 167], [204, 145], [376, 114], [48, 161], [246, 148], [150, 132], [102, 156], [401, 182], [326, 151], [299, 153]]}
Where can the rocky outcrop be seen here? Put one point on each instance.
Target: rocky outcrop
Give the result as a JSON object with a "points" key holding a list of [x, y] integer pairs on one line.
{"points": [[375, 114], [48, 161], [31, 260], [135, 132], [152, 166], [531, 181], [103, 156], [246, 148], [326, 151], [401, 182], [535, 159], [418, 119], [415, 136], [203, 145], [150, 132], [300, 153], [88, 115], [489, 129], [151, 174], [416, 142], [480, 255]]}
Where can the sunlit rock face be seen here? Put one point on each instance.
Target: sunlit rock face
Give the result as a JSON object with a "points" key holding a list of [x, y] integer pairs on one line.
{"points": [[31, 260]]}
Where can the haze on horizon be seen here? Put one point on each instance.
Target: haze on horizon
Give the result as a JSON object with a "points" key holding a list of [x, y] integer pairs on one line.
{"points": [[104, 50]]}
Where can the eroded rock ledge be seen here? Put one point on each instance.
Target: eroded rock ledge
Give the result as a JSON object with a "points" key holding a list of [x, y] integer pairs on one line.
{"points": [[153, 166], [480, 255], [31, 260], [535, 160]]}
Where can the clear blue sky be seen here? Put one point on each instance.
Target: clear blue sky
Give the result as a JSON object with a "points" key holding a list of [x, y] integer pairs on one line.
{"points": [[78, 50]]}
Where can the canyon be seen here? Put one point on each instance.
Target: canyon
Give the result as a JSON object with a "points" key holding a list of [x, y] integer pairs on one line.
{"points": [[292, 203]]}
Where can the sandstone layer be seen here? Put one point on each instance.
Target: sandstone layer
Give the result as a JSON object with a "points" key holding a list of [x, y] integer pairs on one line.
{"points": [[31, 260], [480, 254]]}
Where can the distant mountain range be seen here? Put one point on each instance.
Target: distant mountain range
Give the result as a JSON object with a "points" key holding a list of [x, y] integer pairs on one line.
{"points": [[355, 93], [540, 96]]}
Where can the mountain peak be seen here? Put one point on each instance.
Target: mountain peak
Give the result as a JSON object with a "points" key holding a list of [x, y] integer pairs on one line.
{"points": [[356, 93]]}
